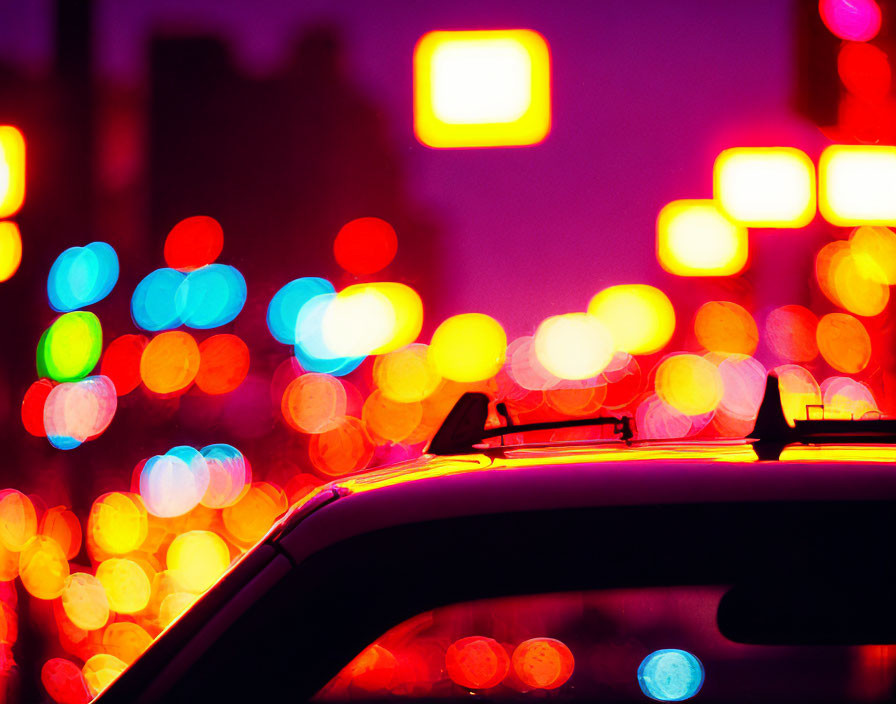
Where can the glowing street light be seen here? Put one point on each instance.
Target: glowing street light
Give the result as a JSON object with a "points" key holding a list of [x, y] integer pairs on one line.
{"points": [[486, 88], [765, 186], [694, 238], [857, 184]]}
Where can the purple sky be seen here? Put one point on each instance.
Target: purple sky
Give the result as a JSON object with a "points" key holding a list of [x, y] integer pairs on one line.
{"points": [[645, 93]]}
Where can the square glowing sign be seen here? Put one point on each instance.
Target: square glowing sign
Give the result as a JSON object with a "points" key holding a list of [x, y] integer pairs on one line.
{"points": [[765, 186], [857, 185], [694, 238], [12, 170], [488, 88]]}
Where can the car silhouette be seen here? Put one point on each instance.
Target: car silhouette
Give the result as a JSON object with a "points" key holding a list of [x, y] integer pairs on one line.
{"points": [[623, 570]]}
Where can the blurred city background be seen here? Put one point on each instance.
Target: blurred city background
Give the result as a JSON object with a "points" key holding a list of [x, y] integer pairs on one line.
{"points": [[286, 120]]}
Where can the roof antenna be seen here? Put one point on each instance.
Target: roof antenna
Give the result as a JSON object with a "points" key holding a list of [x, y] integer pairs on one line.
{"points": [[501, 408], [771, 431]]}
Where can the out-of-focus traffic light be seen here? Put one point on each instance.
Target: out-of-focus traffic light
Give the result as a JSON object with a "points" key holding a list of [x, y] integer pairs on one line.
{"points": [[765, 186], [12, 170], [488, 88]]}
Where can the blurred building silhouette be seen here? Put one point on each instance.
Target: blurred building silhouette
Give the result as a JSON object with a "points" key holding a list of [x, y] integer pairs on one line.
{"points": [[282, 161]]}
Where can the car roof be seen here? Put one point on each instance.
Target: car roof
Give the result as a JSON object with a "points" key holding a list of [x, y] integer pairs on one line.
{"points": [[534, 478]]}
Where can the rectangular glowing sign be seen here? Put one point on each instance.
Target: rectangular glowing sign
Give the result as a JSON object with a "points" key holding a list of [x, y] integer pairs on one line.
{"points": [[694, 238], [488, 88], [857, 185], [765, 186], [12, 170]]}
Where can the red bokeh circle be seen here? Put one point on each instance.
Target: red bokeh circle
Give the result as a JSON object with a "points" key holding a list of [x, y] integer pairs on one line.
{"points": [[194, 242], [366, 245]]}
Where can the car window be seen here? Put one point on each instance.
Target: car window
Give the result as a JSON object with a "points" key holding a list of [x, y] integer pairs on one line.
{"points": [[617, 645]]}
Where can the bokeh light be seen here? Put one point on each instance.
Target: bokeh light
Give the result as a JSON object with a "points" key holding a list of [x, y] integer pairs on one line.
{"points": [[365, 246], [75, 412], [694, 238], [723, 326], [864, 70], [63, 526], [283, 310], [845, 281], [84, 601], [223, 364], [857, 184], [670, 675], [10, 249], [314, 403], [543, 663], [210, 296], [174, 605], [82, 276], [657, 420], [33, 406], [853, 20], [101, 670], [72, 346], [341, 450], [64, 682], [197, 559], [689, 383], [874, 252], [373, 670], [357, 322], [743, 379], [117, 523], [126, 585], [229, 473], [524, 368], [573, 346], [311, 350], [390, 420], [843, 342], [43, 568], [125, 640], [121, 362], [174, 483], [640, 318], [765, 186], [170, 362], [799, 389], [483, 88], [468, 347], [406, 375], [477, 662], [18, 520], [153, 302], [252, 516], [12, 170], [790, 333], [847, 399], [577, 398], [365, 319], [194, 242]]}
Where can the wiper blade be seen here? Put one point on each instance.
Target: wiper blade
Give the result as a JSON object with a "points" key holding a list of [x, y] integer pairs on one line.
{"points": [[464, 427]]}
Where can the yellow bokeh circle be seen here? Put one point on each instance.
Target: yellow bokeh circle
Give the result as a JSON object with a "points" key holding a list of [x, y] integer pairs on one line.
{"points": [[689, 383], [197, 559], [640, 318], [468, 347]]}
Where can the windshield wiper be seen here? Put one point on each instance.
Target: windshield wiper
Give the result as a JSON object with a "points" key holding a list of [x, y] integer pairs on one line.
{"points": [[771, 433], [464, 427]]}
